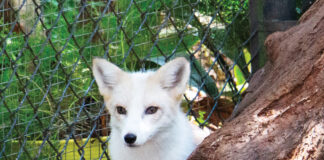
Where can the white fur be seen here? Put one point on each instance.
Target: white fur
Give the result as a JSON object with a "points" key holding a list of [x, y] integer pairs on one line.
{"points": [[164, 135]]}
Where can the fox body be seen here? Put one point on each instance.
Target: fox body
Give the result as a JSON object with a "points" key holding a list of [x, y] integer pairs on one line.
{"points": [[146, 119]]}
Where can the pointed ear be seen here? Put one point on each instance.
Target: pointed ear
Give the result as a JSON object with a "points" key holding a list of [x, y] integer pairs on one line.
{"points": [[174, 75], [106, 75]]}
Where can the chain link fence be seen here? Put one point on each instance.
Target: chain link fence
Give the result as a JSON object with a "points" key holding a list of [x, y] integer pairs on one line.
{"points": [[50, 107]]}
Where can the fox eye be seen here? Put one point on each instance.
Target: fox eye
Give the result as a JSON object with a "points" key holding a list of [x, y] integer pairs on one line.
{"points": [[151, 110], [121, 110]]}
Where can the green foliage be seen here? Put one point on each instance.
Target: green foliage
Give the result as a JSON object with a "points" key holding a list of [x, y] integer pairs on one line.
{"points": [[231, 28], [201, 117], [230, 40], [65, 59], [72, 64]]}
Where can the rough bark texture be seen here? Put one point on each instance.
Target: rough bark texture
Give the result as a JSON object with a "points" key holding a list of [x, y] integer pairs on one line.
{"points": [[282, 115]]}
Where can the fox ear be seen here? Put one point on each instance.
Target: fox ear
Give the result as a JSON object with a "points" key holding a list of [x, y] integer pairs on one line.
{"points": [[106, 75], [174, 75]]}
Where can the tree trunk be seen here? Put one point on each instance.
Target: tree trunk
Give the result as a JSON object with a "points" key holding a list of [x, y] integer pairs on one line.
{"points": [[282, 114]]}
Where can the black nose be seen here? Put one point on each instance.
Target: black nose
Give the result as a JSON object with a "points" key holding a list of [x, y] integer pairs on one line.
{"points": [[130, 138]]}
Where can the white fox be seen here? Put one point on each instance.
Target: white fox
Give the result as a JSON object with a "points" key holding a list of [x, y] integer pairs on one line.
{"points": [[147, 122]]}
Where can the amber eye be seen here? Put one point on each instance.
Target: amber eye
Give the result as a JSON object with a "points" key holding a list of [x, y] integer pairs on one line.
{"points": [[121, 110], [151, 110]]}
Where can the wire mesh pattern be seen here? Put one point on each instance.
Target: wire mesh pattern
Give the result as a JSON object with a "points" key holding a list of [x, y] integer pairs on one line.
{"points": [[50, 107]]}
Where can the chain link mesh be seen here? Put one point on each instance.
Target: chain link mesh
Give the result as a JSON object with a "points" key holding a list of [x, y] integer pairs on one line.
{"points": [[50, 107]]}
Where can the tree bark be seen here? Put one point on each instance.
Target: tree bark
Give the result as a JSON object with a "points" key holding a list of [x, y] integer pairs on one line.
{"points": [[282, 114]]}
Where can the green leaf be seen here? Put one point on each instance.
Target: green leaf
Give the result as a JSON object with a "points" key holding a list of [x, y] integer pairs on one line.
{"points": [[239, 76]]}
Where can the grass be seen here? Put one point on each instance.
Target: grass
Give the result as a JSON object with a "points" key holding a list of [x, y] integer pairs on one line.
{"points": [[92, 149]]}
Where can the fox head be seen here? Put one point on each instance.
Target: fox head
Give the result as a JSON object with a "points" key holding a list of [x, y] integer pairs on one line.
{"points": [[141, 105]]}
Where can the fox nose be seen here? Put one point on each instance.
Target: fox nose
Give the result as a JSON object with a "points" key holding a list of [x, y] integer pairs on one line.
{"points": [[130, 138]]}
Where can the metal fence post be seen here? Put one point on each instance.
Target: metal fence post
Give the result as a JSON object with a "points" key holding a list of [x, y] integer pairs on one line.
{"points": [[266, 17]]}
